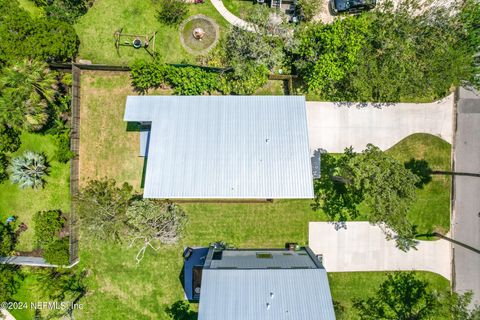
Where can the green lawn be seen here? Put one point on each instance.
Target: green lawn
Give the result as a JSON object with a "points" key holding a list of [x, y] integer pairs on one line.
{"points": [[25, 203], [119, 288], [239, 7], [349, 286], [31, 8], [431, 211], [96, 28]]}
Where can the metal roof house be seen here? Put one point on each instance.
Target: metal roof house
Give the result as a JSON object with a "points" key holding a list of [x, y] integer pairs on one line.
{"points": [[277, 284], [245, 147]]}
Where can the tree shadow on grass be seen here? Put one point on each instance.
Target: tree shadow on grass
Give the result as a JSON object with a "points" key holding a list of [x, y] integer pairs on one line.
{"points": [[421, 169]]}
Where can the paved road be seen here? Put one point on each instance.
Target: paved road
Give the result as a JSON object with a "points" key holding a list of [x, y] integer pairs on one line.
{"points": [[466, 209], [362, 247], [333, 126]]}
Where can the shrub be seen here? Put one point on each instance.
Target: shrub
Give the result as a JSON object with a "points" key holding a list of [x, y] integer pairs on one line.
{"points": [[29, 170], [7, 239], [3, 167], [172, 11], [57, 252], [26, 37], [192, 81], [309, 8], [184, 80], [47, 226], [245, 80], [147, 75], [63, 152], [9, 139]]}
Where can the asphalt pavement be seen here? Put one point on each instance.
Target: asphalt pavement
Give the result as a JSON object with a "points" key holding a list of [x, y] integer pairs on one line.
{"points": [[466, 204]]}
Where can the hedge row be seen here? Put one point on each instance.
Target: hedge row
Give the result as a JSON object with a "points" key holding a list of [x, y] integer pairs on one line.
{"points": [[192, 80]]}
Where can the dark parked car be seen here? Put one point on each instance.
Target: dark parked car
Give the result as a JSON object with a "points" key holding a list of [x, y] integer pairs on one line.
{"points": [[351, 6]]}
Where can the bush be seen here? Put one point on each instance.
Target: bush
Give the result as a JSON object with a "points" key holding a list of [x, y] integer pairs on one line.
{"points": [[147, 75], [3, 167], [184, 80], [7, 239], [9, 139], [66, 10], [29, 170], [191, 81], [63, 152], [42, 38], [172, 12], [245, 80], [47, 226], [309, 8], [57, 252]]}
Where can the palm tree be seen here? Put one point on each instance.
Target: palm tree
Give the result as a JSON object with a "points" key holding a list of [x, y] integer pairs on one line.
{"points": [[29, 170], [26, 90]]}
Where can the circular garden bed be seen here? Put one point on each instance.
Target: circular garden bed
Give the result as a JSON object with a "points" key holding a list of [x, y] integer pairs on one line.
{"points": [[209, 37]]}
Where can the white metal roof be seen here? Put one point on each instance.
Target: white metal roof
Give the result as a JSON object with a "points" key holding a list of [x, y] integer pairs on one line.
{"points": [[266, 294], [225, 146]]}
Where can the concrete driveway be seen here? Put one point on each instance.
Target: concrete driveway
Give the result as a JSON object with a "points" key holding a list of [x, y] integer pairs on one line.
{"points": [[362, 247], [335, 126]]}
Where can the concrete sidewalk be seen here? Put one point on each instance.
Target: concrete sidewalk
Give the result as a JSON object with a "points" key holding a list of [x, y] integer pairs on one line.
{"points": [[363, 247], [231, 18], [335, 126]]}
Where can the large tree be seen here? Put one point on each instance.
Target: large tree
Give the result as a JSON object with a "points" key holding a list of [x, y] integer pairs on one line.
{"points": [[324, 54], [402, 296], [26, 37], [371, 178], [10, 280], [152, 223], [26, 90], [413, 52], [102, 206]]}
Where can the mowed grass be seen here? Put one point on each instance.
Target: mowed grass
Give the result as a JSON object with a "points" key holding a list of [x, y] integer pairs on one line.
{"points": [[96, 31], [240, 8], [25, 203], [346, 287], [431, 210], [120, 288]]}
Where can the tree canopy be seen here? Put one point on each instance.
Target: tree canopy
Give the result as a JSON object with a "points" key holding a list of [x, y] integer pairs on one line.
{"points": [[102, 206], [405, 52], [371, 178], [402, 296], [27, 88], [154, 222], [43, 38]]}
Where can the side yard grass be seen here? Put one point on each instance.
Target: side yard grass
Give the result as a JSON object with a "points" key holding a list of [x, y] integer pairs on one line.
{"points": [[25, 203], [118, 287], [96, 29]]}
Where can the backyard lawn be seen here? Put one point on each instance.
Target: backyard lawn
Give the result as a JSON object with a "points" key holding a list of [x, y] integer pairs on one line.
{"points": [[25, 203], [118, 287], [96, 28]]}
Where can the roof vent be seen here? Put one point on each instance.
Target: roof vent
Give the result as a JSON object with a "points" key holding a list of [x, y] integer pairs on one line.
{"points": [[267, 140], [268, 306], [272, 295]]}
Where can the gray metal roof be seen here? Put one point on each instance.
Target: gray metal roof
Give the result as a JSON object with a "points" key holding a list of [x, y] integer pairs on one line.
{"points": [[262, 259], [267, 294], [225, 146]]}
